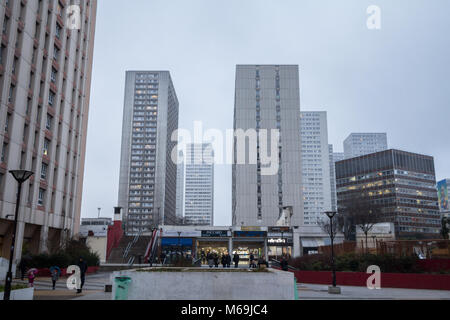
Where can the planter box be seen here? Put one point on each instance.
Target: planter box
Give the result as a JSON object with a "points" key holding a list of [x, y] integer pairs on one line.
{"points": [[388, 280], [20, 294], [202, 284]]}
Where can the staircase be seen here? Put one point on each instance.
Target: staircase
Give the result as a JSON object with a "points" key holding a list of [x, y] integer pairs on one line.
{"points": [[136, 249]]}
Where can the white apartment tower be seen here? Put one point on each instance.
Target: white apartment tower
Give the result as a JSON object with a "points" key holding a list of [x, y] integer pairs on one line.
{"points": [[359, 144], [315, 166], [148, 174], [199, 185], [45, 79], [267, 98], [180, 187]]}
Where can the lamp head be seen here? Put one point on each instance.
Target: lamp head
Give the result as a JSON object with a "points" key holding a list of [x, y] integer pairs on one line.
{"points": [[330, 214], [21, 175]]}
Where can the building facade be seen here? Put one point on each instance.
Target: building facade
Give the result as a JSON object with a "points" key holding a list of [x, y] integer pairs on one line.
{"points": [[199, 186], [359, 144], [401, 184], [267, 100], [334, 157], [148, 174], [45, 79], [316, 176], [180, 187], [442, 189]]}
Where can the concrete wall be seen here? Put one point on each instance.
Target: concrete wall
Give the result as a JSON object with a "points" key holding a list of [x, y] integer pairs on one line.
{"points": [[98, 245], [21, 294], [4, 264], [205, 285]]}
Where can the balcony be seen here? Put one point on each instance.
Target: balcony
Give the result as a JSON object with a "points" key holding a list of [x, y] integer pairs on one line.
{"points": [[20, 26], [35, 43], [58, 43], [55, 64], [8, 12], [1, 69], [5, 40], [17, 53]]}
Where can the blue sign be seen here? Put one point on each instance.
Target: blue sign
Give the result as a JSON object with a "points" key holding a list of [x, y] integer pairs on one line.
{"points": [[251, 234], [187, 242]]}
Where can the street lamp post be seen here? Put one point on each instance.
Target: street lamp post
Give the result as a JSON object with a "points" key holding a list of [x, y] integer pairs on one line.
{"points": [[21, 176], [332, 289]]}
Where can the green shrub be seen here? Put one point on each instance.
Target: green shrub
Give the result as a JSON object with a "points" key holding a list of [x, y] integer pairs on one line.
{"points": [[358, 263], [68, 255]]}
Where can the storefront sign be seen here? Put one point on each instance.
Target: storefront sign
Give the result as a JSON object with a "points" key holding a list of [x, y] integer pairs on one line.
{"points": [[246, 234], [251, 228], [186, 242], [215, 233], [279, 241], [279, 229], [186, 234]]}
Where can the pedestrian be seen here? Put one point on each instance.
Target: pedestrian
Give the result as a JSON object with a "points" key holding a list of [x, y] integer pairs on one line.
{"points": [[216, 260], [236, 260], [228, 260], [210, 259], [203, 257], [55, 277], [284, 264], [252, 260], [83, 269], [31, 276], [262, 263], [23, 268]]}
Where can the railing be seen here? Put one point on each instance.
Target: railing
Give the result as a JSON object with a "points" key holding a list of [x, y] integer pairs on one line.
{"points": [[131, 244], [277, 264]]}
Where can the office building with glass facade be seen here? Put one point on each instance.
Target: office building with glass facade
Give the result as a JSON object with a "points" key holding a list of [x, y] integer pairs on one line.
{"points": [[401, 184]]}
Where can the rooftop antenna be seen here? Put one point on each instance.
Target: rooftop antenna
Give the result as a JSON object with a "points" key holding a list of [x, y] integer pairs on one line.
{"points": [[99, 209]]}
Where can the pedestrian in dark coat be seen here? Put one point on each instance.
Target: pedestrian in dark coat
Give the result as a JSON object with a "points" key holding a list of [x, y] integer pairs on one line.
{"points": [[216, 260], [252, 260], [227, 260], [224, 261], [23, 268], [236, 260], [83, 269], [284, 264]]}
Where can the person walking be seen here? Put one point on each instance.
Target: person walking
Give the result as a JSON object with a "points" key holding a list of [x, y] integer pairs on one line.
{"points": [[216, 259], [224, 261], [83, 269], [210, 259], [55, 277], [284, 264], [227, 260], [23, 268], [236, 260], [252, 262]]}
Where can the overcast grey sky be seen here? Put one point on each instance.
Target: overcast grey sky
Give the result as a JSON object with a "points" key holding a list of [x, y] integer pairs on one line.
{"points": [[393, 80]]}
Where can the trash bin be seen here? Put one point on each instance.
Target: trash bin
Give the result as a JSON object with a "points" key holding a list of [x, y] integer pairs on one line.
{"points": [[121, 285]]}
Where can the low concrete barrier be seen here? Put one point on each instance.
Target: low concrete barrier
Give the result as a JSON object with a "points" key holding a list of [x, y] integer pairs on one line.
{"points": [[206, 284], [20, 294]]}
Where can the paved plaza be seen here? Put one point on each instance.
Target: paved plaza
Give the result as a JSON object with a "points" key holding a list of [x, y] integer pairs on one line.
{"points": [[94, 289]]}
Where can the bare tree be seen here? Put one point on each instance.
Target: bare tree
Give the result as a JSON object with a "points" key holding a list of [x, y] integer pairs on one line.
{"points": [[324, 224], [360, 211]]}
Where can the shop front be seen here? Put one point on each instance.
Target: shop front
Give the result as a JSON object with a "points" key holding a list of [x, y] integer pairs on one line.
{"points": [[212, 241], [279, 242], [175, 247], [246, 243]]}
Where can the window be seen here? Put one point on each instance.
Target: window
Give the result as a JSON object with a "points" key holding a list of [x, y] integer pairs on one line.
{"points": [[41, 197], [51, 98], [58, 31], [11, 93], [48, 123], [4, 150], [53, 75], [46, 147], [55, 53], [44, 168]]}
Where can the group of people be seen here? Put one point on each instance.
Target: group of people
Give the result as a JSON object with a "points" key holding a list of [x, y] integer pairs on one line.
{"points": [[55, 273], [213, 259]]}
